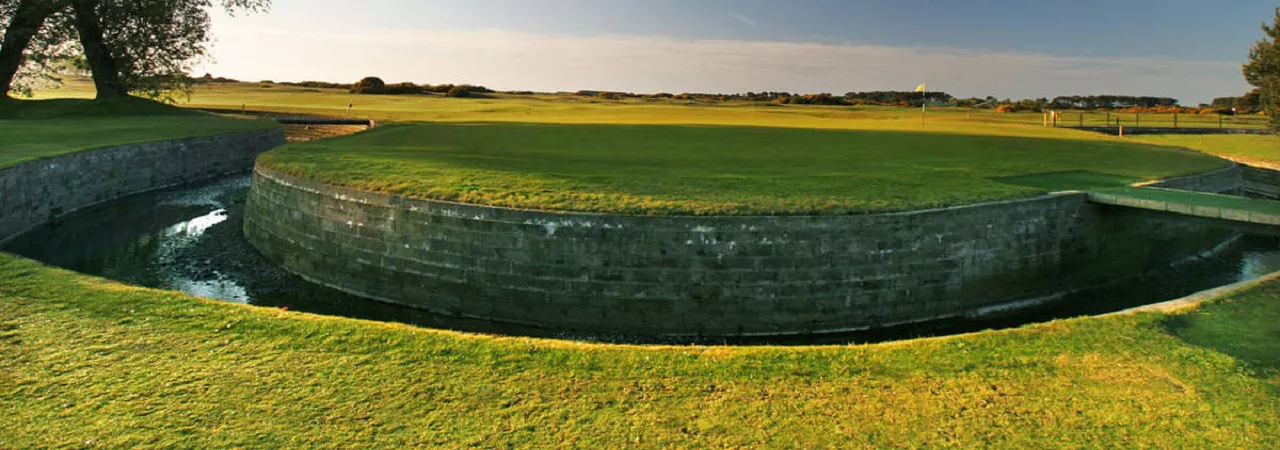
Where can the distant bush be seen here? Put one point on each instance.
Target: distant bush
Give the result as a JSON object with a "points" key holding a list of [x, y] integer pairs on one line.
{"points": [[210, 79], [458, 92], [403, 89], [463, 90], [320, 85], [369, 85], [1159, 110]]}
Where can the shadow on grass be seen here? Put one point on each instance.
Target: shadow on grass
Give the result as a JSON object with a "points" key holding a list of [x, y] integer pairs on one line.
{"points": [[1245, 326], [1071, 180], [14, 109]]}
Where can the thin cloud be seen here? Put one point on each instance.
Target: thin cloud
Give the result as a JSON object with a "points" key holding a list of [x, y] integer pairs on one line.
{"points": [[524, 61], [743, 19]]}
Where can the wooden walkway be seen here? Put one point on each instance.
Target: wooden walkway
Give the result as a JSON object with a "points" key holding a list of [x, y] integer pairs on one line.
{"points": [[1228, 208]]}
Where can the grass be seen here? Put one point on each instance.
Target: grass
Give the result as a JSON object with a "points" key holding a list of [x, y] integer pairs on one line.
{"points": [[646, 169], [86, 362], [1252, 149], [33, 130], [578, 110]]}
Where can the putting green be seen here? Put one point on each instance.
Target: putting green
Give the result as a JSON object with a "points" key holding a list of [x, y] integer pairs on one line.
{"points": [[720, 170]]}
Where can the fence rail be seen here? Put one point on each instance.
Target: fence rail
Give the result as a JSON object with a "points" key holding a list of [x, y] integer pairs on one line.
{"points": [[1103, 119]]}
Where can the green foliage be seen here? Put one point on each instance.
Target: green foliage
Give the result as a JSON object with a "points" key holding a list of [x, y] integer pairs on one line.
{"points": [[702, 170], [459, 92], [155, 43], [375, 86], [1263, 70], [1110, 102], [369, 85]]}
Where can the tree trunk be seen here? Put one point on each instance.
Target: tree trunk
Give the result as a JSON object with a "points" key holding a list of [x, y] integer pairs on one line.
{"points": [[27, 20], [106, 77]]}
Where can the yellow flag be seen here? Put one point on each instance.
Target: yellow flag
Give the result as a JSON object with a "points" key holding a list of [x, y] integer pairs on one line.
{"points": [[920, 88]]}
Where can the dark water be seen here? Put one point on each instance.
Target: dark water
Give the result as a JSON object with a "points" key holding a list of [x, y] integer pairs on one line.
{"points": [[189, 239]]}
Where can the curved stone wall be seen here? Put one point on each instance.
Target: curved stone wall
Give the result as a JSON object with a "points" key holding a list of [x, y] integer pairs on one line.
{"points": [[38, 191], [709, 276], [1262, 182]]}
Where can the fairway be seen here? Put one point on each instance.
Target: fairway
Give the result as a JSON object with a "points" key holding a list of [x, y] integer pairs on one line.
{"points": [[572, 109], [706, 170]]}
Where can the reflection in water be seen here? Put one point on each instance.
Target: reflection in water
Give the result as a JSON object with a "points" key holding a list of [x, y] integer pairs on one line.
{"points": [[190, 240]]}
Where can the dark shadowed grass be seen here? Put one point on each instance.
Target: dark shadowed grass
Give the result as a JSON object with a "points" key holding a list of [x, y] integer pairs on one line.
{"points": [[12, 109], [1244, 326], [32, 130], [697, 170], [86, 362]]}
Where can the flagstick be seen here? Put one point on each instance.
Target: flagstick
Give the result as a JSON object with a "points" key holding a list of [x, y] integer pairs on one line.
{"points": [[924, 104]]}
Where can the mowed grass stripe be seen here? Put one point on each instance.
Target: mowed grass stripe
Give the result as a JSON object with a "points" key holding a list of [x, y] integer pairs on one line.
{"points": [[711, 170]]}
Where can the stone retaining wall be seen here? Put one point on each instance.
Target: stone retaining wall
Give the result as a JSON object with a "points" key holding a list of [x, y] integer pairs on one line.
{"points": [[710, 276], [1262, 182], [36, 192]]}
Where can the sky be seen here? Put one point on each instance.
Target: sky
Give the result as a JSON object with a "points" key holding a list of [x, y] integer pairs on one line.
{"points": [[1188, 49]]}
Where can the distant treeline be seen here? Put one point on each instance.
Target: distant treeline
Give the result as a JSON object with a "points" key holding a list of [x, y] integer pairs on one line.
{"points": [[1248, 103], [1111, 102], [902, 98], [375, 85]]}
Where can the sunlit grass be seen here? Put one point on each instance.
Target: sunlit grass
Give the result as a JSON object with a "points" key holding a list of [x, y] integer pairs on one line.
{"points": [[1245, 148], [700, 170], [89, 362]]}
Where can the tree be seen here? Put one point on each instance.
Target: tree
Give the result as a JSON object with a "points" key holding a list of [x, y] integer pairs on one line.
{"points": [[369, 85], [131, 46], [1263, 70], [29, 28]]}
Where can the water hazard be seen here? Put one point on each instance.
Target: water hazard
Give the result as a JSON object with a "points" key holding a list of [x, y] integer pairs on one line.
{"points": [[189, 239]]}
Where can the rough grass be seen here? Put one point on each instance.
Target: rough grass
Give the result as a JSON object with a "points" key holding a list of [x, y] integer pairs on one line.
{"points": [[32, 130], [698, 170], [85, 362]]}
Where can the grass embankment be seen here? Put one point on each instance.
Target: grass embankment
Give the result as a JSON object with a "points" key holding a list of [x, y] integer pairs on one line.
{"points": [[719, 170], [32, 130], [1248, 149], [85, 362]]}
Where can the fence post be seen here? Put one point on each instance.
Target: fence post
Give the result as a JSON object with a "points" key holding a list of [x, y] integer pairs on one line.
{"points": [[1137, 119], [1175, 120], [1108, 118], [1081, 119], [1220, 125]]}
